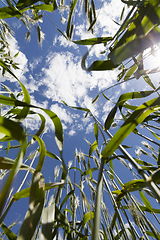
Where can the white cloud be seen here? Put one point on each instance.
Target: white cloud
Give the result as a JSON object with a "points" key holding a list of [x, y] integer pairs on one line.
{"points": [[89, 128], [21, 58], [30, 83], [62, 113], [80, 31], [64, 79], [106, 109], [66, 43], [41, 104], [104, 27], [33, 122], [16, 24], [55, 40], [72, 132], [109, 12], [34, 64]]}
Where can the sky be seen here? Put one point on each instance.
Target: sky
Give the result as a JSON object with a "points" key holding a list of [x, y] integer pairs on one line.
{"points": [[52, 73]]}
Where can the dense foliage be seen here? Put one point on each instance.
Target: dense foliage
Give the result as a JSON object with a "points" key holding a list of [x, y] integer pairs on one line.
{"points": [[92, 218]]}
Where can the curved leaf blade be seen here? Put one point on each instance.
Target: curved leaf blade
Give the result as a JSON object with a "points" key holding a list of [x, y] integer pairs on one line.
{"points": [[130, 124], [92, 41]]}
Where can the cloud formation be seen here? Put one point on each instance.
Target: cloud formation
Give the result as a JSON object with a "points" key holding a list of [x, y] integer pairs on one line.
{"points": [[58, 75]]}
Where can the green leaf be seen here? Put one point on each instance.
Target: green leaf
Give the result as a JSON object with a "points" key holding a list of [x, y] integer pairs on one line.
{"points": [[149, 168], [143, 73], [87, 216], [43, 7], [8, 147], [26, 192], [48, 215], [62, 33], [152, 235], [16, 55], [93, 8], [66, 197], [52, 155], [42, 126], [111, 170], [13, 172], [36, 203], [58, 128], [61, 217], [141, 34], [23, 4], [93, 147], [92, 41], [11, 129], [143, 208], [156, 176], [133, 95], [39, 33], [119, 234], [133, 185], [3, 64], [78, 108], [127, 50], [73, 4], [96, 131], [91, 24], [24, 112], [130, 124], [110, 118], [113, 220], [145, 201], [7, 12], [130, 72], [9, 234], [42, 155], [122, 13], [95, 99], [55, 119], [17, 111], [77, 169], [12, 101], [89, 171], [98, 65], [68, 210], [104, 232], [7, 163], [129, 2]]}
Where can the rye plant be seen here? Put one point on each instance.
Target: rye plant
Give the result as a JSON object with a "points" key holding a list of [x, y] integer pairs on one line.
{"points": [[97, 204]]}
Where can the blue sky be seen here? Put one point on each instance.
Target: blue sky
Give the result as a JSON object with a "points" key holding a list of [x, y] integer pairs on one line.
{"points": [[52, 73]]}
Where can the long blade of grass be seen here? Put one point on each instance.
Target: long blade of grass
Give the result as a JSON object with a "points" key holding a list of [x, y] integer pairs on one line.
{"points": [[9, 181], [55, 119], [9, 234], [92, 41], [7, 163], [11, 129], [73, 4], [136, 118], [48, 215], [26, 192], [98, 65], [120, 103], [37, 197]]}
